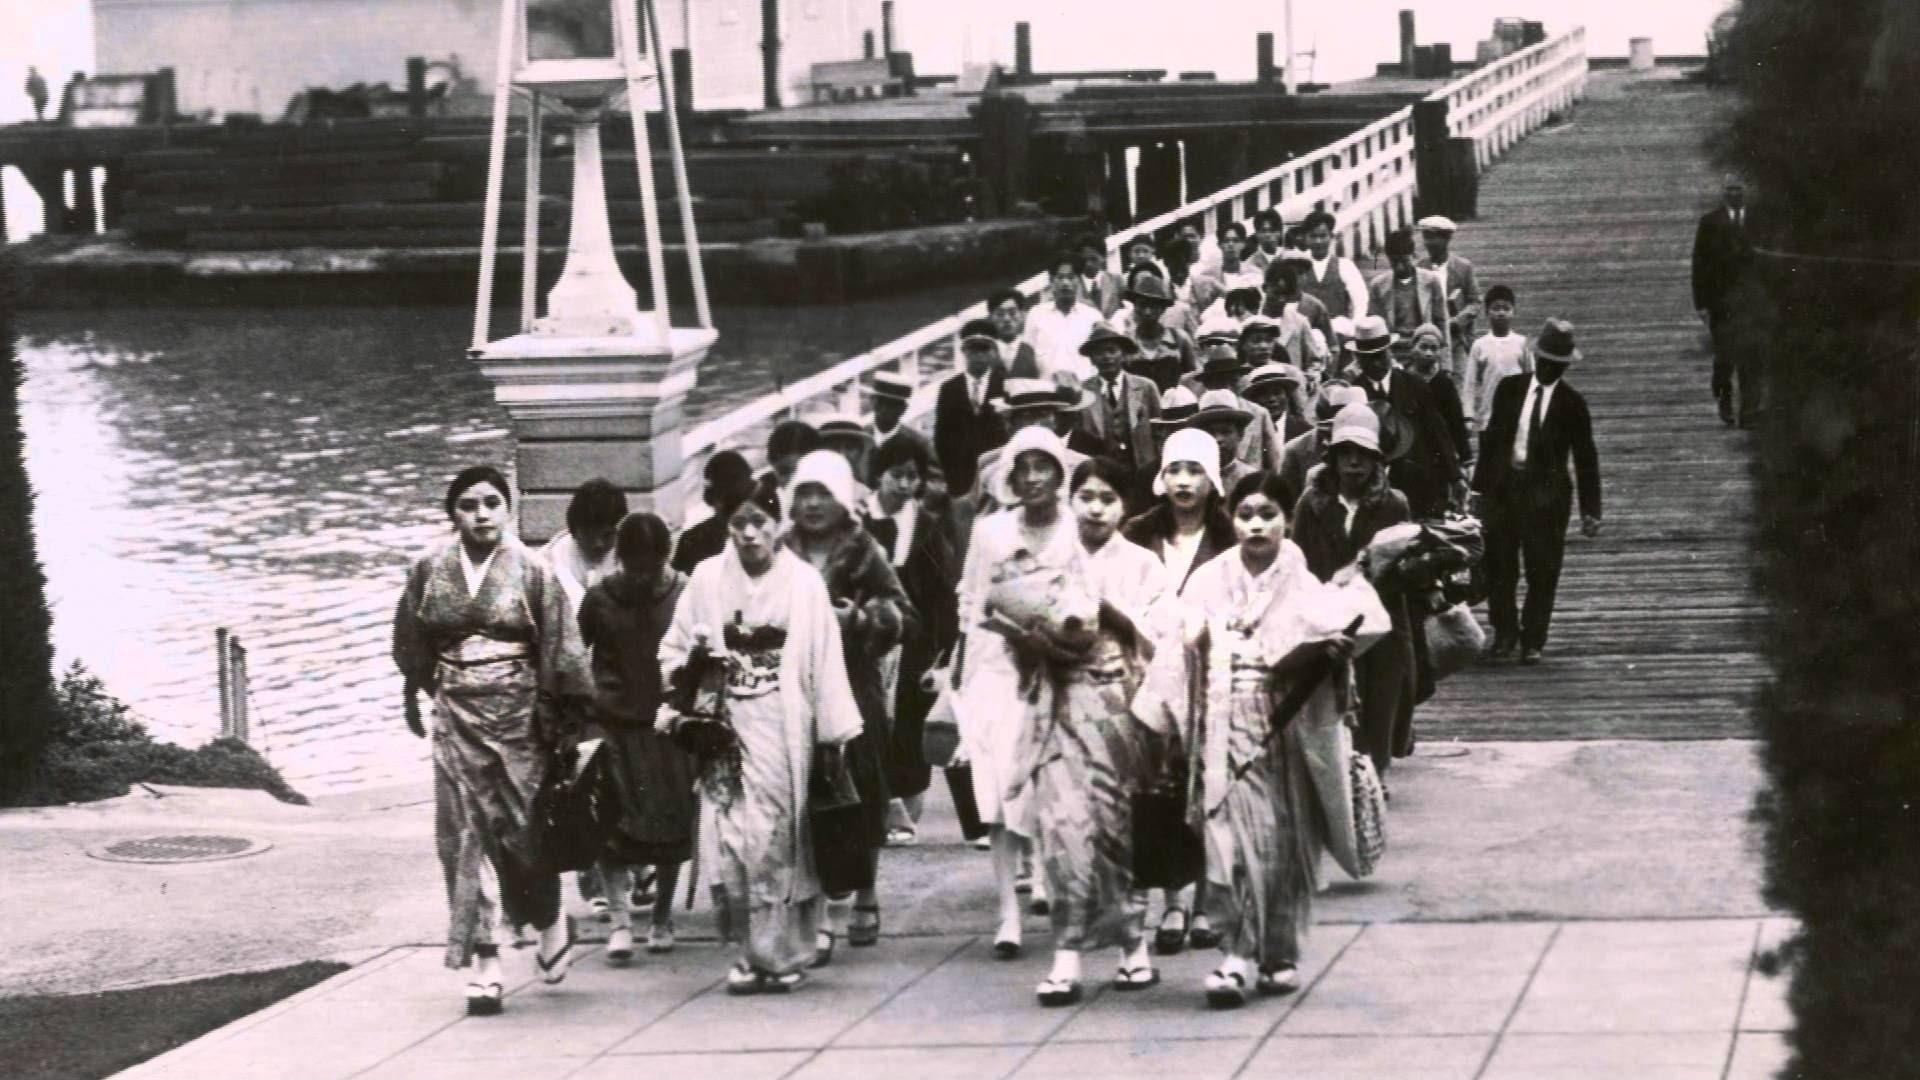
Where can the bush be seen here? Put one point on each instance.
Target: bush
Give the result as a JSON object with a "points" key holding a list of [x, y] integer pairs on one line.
{"points": [[97, 750], [26, 650]]}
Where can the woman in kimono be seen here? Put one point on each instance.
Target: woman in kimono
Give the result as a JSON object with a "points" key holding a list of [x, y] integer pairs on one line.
{"points": [[995, 697], [622, 620], [1331, 537], [1088, 757], [485, 628], [1260, 630], [872, 611], [1185, 531], [764, 616]]}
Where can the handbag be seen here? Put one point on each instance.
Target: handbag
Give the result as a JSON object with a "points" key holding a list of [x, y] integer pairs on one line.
{"points": [[842, 859], [1167, 853], [573, 810], [1369, 814], [1454, 640], [940, 731]]}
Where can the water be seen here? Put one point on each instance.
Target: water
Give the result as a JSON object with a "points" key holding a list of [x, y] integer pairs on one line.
{"points": [[274, 471]]}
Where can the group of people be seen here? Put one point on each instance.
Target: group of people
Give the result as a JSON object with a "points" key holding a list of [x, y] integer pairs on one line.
{"points": [[1132, 557]]}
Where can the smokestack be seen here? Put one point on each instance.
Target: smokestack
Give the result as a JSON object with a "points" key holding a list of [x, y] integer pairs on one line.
{"points": [[886, 27], [866, 45], [1407, 41], [1263, 59], [770, 53], [1023, 49]]}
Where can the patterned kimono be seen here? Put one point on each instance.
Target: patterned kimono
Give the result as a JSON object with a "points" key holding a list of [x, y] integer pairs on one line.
{"points": [[786, 692], [1088, 758], [498, 664], [1253, 797]]}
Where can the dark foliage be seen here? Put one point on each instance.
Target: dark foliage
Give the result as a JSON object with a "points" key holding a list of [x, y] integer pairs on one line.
{"points": [[86, 1036], [26, 652], [1829, 136], [97, 750]]}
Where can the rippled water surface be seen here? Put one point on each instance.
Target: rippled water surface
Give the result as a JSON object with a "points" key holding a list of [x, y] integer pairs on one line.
{"points": [[273, 471]]}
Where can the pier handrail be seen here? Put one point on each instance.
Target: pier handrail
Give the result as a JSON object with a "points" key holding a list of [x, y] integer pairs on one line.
{"points": [[1366, 180]]}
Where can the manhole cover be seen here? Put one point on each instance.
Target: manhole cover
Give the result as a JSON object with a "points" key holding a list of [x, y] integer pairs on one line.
{"points": [[192, 847]]}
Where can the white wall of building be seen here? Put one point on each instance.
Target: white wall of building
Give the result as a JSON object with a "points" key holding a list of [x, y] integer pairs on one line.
{"points": [[254, 55]]}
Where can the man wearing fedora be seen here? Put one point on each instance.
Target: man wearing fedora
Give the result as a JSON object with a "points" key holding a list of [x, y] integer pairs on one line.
{"points": [[1058, 327], [1163, 352], [1220, 369], [1121, 406], [1225, 417], [1525, 494], [1424, 465], [1456, 277], [1407, 296], [892, 395], [965, 424]]}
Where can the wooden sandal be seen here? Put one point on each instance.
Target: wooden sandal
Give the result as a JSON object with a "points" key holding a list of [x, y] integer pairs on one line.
{"points": [[1136, 978], [1056, 993], [1226, 989]]}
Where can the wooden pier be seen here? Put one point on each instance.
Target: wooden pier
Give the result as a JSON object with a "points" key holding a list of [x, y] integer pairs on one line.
{"points": [[1658, 627]]}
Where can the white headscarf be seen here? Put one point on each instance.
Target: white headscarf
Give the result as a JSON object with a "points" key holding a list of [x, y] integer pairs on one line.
{"points": [[829, 470], [1191, 444], [1039, 438]]}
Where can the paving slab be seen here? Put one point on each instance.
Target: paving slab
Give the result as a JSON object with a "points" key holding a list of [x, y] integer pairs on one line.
{"points": [[1380, 1056], [1692, 1056]]}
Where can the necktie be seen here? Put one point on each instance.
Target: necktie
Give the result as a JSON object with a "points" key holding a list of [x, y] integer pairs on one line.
{"points": [[1533, 426]]}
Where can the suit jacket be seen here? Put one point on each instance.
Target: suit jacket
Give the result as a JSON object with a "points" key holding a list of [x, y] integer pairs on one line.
{"points": [[1721, 253], [1462, 294], [1139, 403], [1106, 292], [1429, 469], [1431, 295], [962, 433], [1566, 431]]}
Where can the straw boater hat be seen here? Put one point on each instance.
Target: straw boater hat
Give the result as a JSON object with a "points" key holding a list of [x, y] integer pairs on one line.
{"points": [[842, 426], [1370, 335], [1259, 323], [1436, 223], [1023, 394], [1273, 373], [1102, 334], [1217, 405], [1177, 405], [1555, 343], [1217, 328], [888, 385]]}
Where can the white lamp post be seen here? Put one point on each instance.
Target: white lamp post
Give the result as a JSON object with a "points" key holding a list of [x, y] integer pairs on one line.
{"points": [[594, 386]]}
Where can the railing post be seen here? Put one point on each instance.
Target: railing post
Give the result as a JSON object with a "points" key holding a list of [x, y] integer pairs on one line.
{"points": [[1432, 162]]}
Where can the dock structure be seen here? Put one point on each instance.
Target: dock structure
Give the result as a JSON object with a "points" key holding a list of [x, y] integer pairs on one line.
{"points": [[1657, 628]]}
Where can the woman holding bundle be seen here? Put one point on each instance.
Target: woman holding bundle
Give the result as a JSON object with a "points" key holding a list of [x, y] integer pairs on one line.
{"points": [[1260, 632], [755, 626], [1087, 756]]}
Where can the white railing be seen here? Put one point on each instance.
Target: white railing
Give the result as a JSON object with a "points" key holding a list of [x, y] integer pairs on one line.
{"points": [[1366, 180]]}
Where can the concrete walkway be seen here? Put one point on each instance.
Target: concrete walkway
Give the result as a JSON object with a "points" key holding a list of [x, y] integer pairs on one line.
{"points": [[1665, 1000]]}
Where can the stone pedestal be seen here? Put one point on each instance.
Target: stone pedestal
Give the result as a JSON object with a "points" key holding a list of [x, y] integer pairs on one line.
{"points": [[587, 407]]}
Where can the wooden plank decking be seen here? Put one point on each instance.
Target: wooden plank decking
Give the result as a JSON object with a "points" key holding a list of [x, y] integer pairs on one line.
{"points": [[1658, 626]]}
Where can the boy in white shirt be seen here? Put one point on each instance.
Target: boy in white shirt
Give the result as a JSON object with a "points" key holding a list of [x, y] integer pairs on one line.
{"points": [[1495, 355]]}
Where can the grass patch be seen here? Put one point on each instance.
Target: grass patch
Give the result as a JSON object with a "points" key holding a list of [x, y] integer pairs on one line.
{"points": [[87, 1036]]}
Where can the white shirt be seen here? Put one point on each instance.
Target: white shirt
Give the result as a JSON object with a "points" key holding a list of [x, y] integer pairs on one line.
{"points": [[1056, 337], [1349, 276], [1352, 507], [1490, 360], [473, 574], [903, 523], [1545, 394], [576, 572], [1181, 548]]}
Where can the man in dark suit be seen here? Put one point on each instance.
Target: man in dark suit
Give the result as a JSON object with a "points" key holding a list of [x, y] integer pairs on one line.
{"points": [[1721, 258], [1121, 407], [1524, 493], [965, 424], [1427, 472]]}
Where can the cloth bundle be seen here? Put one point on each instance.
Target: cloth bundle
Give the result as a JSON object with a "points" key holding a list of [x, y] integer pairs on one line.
{"points": [[1030, 594], [1425, 556]]}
